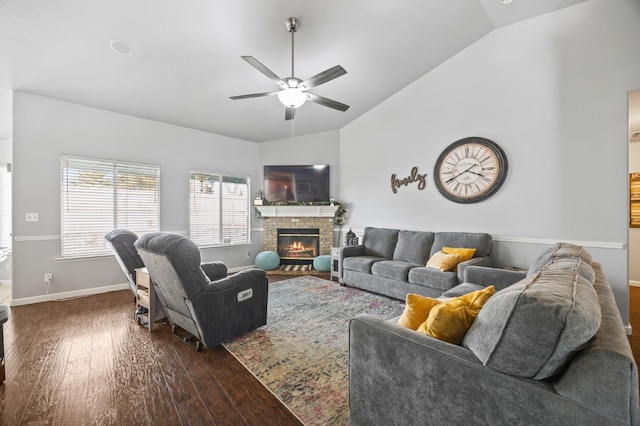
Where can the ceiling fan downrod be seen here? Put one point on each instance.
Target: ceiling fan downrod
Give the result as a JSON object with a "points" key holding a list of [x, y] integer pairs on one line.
{"points": [[292, 25]]}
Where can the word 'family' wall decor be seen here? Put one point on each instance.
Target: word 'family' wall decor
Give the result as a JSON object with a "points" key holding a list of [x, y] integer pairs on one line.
{"points": [[412, 178]]}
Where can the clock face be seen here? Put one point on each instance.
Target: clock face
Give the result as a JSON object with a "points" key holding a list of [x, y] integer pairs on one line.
{"points": [[470, 170]]}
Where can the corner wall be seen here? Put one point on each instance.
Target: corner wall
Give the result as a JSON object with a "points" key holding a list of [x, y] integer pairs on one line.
{"points": [[552, 92], [45, 128]]}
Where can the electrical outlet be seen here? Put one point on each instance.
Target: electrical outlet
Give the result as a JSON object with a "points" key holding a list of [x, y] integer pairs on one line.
{"points": [[31, 217], [48, 277]]}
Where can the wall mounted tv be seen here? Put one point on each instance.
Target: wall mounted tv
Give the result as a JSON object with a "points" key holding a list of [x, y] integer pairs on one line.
{"points": [[297, 184]]}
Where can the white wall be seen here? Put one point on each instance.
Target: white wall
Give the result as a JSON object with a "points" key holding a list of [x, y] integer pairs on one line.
{"points": [[6, 146], [45, 128], [552, 91]]}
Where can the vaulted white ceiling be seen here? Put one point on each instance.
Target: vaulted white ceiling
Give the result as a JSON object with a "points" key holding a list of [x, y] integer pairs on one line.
{"points": [[186, 60]]}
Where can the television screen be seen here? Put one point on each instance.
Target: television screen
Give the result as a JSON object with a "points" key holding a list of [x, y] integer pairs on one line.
{"points": [[297, 184]]}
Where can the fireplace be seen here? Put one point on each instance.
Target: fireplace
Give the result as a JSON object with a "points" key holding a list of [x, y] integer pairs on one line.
{"points": [[298, 245]]}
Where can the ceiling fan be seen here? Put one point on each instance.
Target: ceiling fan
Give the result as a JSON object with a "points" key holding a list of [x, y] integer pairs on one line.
{"points": [[293, 91]]}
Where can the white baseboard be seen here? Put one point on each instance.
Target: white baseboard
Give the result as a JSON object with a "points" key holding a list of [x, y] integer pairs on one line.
{"points": [[628, 329], [634, 283], [68, 294]]}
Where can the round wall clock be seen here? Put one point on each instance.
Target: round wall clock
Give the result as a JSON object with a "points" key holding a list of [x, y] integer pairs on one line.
{"points": [[470, 170]]}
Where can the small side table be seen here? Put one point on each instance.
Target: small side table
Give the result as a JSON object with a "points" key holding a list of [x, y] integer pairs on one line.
{"points": [[146, 297], [336, 267]]}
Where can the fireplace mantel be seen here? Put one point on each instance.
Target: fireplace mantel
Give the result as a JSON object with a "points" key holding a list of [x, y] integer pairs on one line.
{"points": [[297, 211]]}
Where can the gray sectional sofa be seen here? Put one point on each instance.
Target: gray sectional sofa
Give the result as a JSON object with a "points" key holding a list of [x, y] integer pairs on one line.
{"points": [[392, 261], [548, 347]]}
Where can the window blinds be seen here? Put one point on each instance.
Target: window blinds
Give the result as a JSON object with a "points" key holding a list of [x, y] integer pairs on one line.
{"points": [[219, 209], [101, 195]]}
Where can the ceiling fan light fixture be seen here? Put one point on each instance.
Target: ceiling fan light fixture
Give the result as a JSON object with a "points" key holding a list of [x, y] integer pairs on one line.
{"points": [[292, 97]]}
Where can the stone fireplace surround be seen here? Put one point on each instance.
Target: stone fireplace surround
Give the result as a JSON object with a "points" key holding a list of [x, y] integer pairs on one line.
{"points": [[297, 217]]}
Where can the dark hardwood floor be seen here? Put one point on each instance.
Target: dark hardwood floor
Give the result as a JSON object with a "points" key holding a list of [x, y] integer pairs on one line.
{"points": [[86, 361]]}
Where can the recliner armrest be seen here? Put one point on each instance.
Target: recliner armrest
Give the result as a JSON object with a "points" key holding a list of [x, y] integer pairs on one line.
{"points": [[485, 276], [214, 270], [241, 279]]}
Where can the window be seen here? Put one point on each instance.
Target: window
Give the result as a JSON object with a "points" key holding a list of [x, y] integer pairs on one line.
{"points": [[219, 209], [5, 210], [101, 195]]}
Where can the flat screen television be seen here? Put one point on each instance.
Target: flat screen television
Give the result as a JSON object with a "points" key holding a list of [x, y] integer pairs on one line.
{"points": [[297, 184]]}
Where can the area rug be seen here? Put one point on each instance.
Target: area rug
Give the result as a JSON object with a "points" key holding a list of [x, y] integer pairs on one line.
{"points": [[301, 355]]}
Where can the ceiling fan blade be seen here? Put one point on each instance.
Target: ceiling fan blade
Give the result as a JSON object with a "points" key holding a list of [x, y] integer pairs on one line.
{"points": [[324, 77], [326, 102], [289, 113], [252, 95], [264, 70]]}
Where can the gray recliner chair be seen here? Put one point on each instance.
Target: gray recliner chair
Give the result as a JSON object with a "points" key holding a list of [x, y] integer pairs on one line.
{"points": [[121, 241], [201, 299]]}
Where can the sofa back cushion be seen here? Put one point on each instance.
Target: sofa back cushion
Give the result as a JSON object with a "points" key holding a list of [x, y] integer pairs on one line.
{"points": [[560, 250], [413, 247], [533, 328], [478, 240], [379, 242]]}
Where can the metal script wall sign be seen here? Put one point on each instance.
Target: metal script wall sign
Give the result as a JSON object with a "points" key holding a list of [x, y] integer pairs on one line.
{"points": [[412, 178]]}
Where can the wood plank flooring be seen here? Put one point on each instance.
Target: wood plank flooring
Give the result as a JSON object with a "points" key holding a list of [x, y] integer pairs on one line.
{"points": [[86, 362]]}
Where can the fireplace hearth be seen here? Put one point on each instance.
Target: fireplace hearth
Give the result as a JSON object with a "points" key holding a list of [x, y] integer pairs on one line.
{"points": [[298, 245]]}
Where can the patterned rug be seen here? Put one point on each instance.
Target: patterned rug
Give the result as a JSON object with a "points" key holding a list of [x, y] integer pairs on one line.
{"points": [[301, 355]]}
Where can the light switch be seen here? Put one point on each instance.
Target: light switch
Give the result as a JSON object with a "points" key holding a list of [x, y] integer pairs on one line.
{"points": [[32, 217]]}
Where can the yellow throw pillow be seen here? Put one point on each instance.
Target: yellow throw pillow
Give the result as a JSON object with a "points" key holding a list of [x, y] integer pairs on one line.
{"points": [[465, 253], [416, 310], [443, 261], [450, 320], [476, 299]]}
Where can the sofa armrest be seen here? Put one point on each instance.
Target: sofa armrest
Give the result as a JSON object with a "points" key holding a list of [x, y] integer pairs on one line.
{"points": [[500, 278], [476, 261], [398, 376], [349, 251], [214, 270]]}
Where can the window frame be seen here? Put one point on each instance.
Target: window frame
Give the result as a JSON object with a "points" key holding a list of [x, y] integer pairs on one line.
{"points": [[73, 248], [220, 213]]}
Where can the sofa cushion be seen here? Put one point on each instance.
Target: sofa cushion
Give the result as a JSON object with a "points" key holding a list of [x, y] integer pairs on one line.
{"points": [[443, 262], [360, 263], [462, 289], [380, 242], [533, 328], [413, 247], [392, 269], [450, 319], [433, 278], [558, 251], [478, 240]]}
